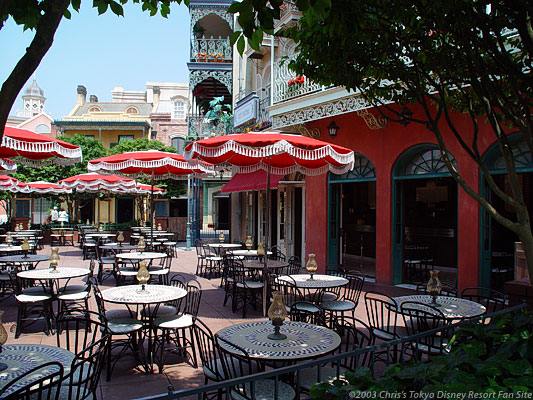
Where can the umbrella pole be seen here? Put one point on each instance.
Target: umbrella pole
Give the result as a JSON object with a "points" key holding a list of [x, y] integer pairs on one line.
{"points": [[188, 235], [41, 214], [152, 208], [265, 257]]}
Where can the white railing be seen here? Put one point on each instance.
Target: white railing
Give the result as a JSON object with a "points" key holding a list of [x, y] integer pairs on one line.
{"points": [[287, 87], [211, 50]]}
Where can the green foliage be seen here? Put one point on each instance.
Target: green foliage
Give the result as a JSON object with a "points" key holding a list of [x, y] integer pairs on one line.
{"points": [[140, 145], [29, 12], [443, 57], [90, 148], [220, 113], [495, 358]]}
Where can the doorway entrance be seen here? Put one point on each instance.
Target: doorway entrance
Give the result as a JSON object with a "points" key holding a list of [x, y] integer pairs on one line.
{"points": [[425, 218], [497, 242], [124, 210], [352, 218], [86, 207]]}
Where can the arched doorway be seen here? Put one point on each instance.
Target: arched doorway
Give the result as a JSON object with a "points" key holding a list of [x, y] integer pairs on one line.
{"points": [[352, 218], [498, 242], [425, 217]]}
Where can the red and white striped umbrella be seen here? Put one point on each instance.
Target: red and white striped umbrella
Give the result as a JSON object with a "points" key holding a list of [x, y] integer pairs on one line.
{"points": [[145, 189], [93, 182], [13, 185], [47, 188], [7, 165], [153, 163], [276, 153], [34, 149], [149, 163]]}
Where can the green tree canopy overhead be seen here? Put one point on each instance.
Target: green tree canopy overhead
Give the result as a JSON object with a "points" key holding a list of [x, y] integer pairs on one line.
{"points": [[474, 57], [90, 148], [43, 17], [142, 144]]}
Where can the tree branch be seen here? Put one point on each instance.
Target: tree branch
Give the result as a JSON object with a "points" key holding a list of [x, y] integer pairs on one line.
{"points": [[43, 39]]}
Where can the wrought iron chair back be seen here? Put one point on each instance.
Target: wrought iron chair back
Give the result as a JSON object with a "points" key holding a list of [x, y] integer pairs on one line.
{"points": [[42, 382]]}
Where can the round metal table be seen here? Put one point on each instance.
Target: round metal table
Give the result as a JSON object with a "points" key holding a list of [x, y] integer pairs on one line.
{"points": [[136, 256], [319, 281], [248, 253], [30, 258], [303, 340], [116, 246], [133, 294], [20, 358], [451, 307], [152, 294], [48, 274], [259, 265]]}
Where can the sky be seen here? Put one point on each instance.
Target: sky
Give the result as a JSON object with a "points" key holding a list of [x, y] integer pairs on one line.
{"points": [[101, 53]]}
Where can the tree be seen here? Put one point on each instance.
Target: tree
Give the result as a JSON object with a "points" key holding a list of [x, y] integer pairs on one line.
{"points": [[473, 57], [43, 17]]}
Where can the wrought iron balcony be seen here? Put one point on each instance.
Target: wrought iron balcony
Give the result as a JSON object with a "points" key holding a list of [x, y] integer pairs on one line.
{"points": [[211, 50], [263, 116], [287, 85]]}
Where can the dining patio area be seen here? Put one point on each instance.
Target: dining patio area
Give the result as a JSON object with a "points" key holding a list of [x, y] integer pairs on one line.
{"points": [[235, 321]]}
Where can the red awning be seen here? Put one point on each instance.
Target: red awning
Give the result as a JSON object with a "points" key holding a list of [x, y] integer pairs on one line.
{"points": [[253, 181]]}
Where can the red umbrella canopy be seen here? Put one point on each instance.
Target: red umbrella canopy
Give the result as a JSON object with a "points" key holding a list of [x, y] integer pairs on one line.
{"points": [[7, 165], [145, 189], [12, 184], [285, 153], [95, 182], [160, 164], [47, 187], [34, 149]]}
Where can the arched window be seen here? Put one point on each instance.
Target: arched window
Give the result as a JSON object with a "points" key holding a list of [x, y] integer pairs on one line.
{"points": [[422, 160], [363, 170], [42, 128], [521, 154], [132, 110], [178, 143], [179, 109], [94, 109]]}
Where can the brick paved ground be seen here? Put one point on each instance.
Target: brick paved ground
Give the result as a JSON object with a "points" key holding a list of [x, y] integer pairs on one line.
{"points": [[127, 381]]}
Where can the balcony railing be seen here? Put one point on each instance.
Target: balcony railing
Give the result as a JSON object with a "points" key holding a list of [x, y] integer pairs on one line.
{"points": [[262, 113], [211, 50], [287, 87], [200, 127], [286, 8]]}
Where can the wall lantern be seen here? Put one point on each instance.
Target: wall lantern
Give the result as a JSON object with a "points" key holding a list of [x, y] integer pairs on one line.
{"points": [[333, 129]]}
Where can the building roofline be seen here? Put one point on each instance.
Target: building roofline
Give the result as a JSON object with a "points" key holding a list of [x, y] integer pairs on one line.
{"points": [[101, 123]]}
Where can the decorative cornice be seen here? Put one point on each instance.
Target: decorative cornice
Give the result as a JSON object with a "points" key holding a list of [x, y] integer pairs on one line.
{"points": [[326, 110], [200, 11], [224, 77]]}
